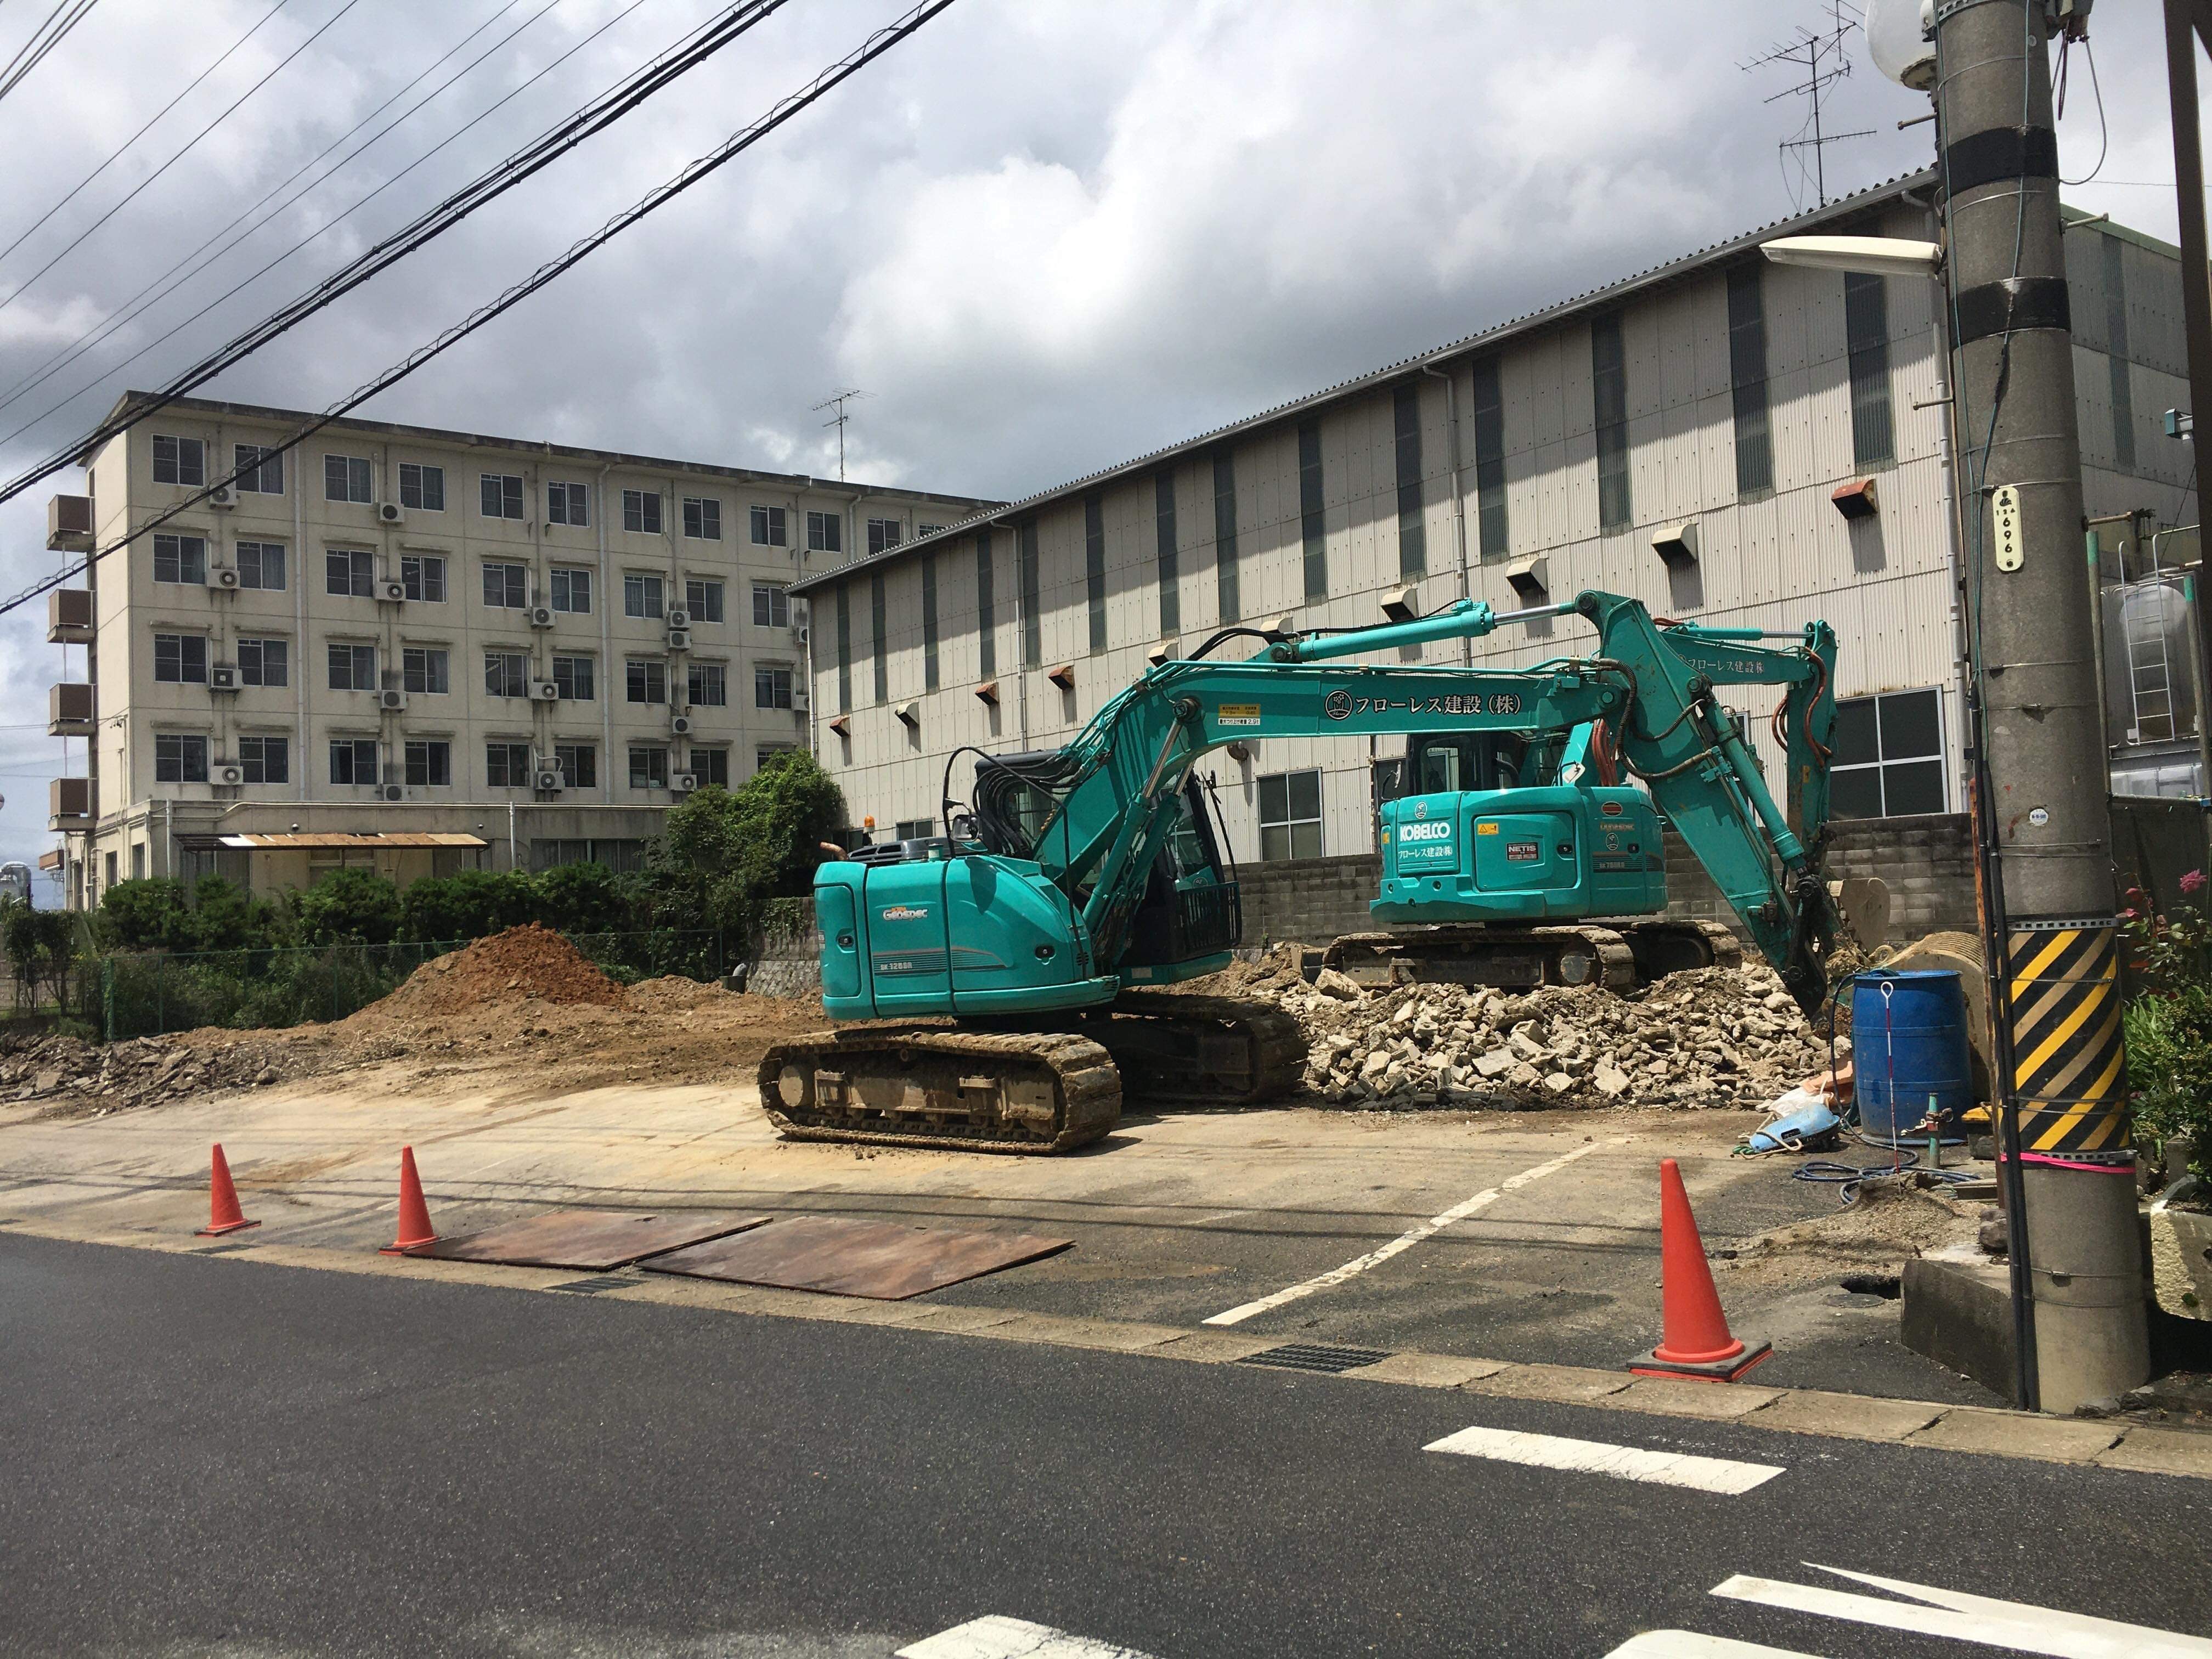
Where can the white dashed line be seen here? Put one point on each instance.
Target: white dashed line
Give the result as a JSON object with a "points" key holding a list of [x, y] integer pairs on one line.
{"points": [[1406, 1240], [996, 1637], [1688, 1644], [1551, 1451]]}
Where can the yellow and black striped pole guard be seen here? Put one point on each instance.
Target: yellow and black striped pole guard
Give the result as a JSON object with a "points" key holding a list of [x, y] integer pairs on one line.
{"points": [[2069, 1075]]}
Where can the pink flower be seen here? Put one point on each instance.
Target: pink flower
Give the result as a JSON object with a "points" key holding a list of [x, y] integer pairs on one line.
{"points": [[2193, 882]]}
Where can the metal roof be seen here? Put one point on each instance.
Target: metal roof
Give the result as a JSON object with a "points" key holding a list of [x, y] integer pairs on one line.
{"points": [[397, 839], [1845, 207]]}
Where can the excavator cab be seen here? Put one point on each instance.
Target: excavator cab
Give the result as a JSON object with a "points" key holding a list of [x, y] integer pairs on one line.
{"points": [[1189, 918]]}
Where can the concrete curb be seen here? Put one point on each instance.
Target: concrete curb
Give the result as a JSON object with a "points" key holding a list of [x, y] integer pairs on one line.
{"points": [[1975, 1429]]}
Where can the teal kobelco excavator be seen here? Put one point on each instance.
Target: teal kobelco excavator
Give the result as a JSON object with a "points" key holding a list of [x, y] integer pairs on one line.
{"points": [[1008, 972]]}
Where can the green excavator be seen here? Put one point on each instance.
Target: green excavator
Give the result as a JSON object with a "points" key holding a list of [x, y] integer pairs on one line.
{"points": [[1001, 985]]}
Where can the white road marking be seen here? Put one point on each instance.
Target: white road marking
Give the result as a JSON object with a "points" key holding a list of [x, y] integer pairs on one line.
{"points": [[1406, 1240], [2018, 1626], [1551, 1451], [997, 1637], [1688, 1644]]}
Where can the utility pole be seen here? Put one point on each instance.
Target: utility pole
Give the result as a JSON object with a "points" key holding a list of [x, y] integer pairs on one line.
{"points": [[2067, 1160]]}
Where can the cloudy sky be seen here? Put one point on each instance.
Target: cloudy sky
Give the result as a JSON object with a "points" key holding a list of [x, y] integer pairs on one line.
{"points": [[1043, 235]]}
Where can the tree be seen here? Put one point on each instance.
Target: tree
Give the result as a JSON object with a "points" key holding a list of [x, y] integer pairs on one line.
{"points": [[470, 905], [41, 945], [146, 913], [724, 853], [584, 898], [348, 907]]}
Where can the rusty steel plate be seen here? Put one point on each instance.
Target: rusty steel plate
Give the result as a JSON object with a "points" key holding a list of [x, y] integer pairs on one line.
{"points": [[601, 1239], [855, 1258]]}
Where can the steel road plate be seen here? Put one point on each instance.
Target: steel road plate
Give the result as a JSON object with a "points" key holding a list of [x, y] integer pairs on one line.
{"points": [[601, 1239], [845, 1257]]}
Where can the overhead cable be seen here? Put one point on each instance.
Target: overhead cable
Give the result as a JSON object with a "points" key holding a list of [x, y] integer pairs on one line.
{"points": [[65, 16], [596, 116], [865, 53]]}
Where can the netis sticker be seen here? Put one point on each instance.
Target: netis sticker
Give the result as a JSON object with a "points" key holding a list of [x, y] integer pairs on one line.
{"points": [[1238, 713]]}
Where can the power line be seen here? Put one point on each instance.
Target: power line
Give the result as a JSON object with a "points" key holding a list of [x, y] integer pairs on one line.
{"points": [[791, 104], [117, 154], [594, 116], [17, 292], [44, 39]]}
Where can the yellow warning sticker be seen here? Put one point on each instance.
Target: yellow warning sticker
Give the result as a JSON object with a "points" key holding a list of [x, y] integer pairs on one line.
{"points": [[1485, 828]]}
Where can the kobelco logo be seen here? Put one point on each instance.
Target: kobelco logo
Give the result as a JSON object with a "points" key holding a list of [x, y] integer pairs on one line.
{"points": [[1440, 830], [1338, 706]]}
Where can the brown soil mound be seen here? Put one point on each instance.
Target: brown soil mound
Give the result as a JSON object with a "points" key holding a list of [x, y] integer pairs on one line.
{"points": [[510, 967]]}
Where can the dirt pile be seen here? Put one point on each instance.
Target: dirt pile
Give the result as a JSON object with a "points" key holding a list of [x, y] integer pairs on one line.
{"points": [[1717, 1038], [519, 965], [74, 1078]]}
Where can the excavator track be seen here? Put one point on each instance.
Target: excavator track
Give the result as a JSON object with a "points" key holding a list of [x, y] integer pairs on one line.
{"points": [[1515, 958], [1175, 1049], [942, 1086], [1667, 947]]}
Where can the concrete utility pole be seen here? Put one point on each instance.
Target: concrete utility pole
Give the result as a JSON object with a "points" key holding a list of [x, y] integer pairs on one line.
{"points": [[2041, 781]]}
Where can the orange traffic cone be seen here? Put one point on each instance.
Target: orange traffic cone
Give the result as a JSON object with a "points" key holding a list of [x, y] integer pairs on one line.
{"points": [[1697, 1342], [414, 1214], [223, 1214]]}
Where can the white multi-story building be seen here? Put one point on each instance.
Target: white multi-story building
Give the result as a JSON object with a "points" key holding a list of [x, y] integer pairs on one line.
{"points": [[407, 649], [1723, 438]]}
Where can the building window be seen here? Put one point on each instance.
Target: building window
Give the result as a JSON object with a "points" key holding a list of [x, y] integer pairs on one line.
{"points": [[825, 532], [179, 559], [425, 671], [711, 767], [1754, 442], [1290, 815], [878, 635], [915, 829], [265, 760], [1164, 528], [2116, 353], [349, 478], [579, 763], [178, 758], [642, 511], [506, 765], [573, 675], [1229, 604], [767, 527], [261, 564], [1312, 527], [349, 573], [505, 587], [180, 461], [422, 577], [641, 596], [501, 495], [421, 489], [707, 685], [1616, 509], [429, 761], [1866, 322], [929, 622], [771, 688], [572, 591], [1492, 532], [1025, 572], [702, 518], [260, 471], [703, 599], [648, 767], [844, 649], [646, 679], [506, 674], [884, 534], [1413, 529], [180, 659], [352, 760], [265, 662], [771, 605], [568, 503], [986, 621], [353, 667], [1094, 570], [1888, 755]]}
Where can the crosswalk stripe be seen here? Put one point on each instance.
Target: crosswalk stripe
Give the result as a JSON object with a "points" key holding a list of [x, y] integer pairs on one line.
{"points": [[997, 1637], [1551, 1451], [1689, 1644]]}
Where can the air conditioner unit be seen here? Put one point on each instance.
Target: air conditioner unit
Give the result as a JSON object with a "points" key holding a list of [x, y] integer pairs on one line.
{"points": [[391, 701], [801, 635], [544, 690], [228, 777], [391, 513], [678, 616], [679, 639], [541, 615], [391, 592], [548, 781], [680, 725], [801, 700], [222, 679], [685, 782], [392, 792], [799, 615], [221, 495], [221, 576]]}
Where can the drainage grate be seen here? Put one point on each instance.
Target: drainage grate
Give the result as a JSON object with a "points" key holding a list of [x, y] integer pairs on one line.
{"points": [[594, 1285], [1314, 1357]]}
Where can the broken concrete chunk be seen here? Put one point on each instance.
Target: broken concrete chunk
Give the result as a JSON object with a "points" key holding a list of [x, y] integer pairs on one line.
{"points": [[1611, 1080], [1558, 1083], [1497, 1062], [1341, 986]]}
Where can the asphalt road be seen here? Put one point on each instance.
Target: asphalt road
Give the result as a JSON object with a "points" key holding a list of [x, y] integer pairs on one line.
{"points": [[204, 1457]]}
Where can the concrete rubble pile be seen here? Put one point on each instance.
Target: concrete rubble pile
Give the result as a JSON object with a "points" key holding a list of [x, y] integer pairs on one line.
{"points": [[82, 1077], [1716, 1038]]}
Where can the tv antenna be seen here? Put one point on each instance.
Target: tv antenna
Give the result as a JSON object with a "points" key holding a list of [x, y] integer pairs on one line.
{"points": [[1819, 54], [837, 400]]}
